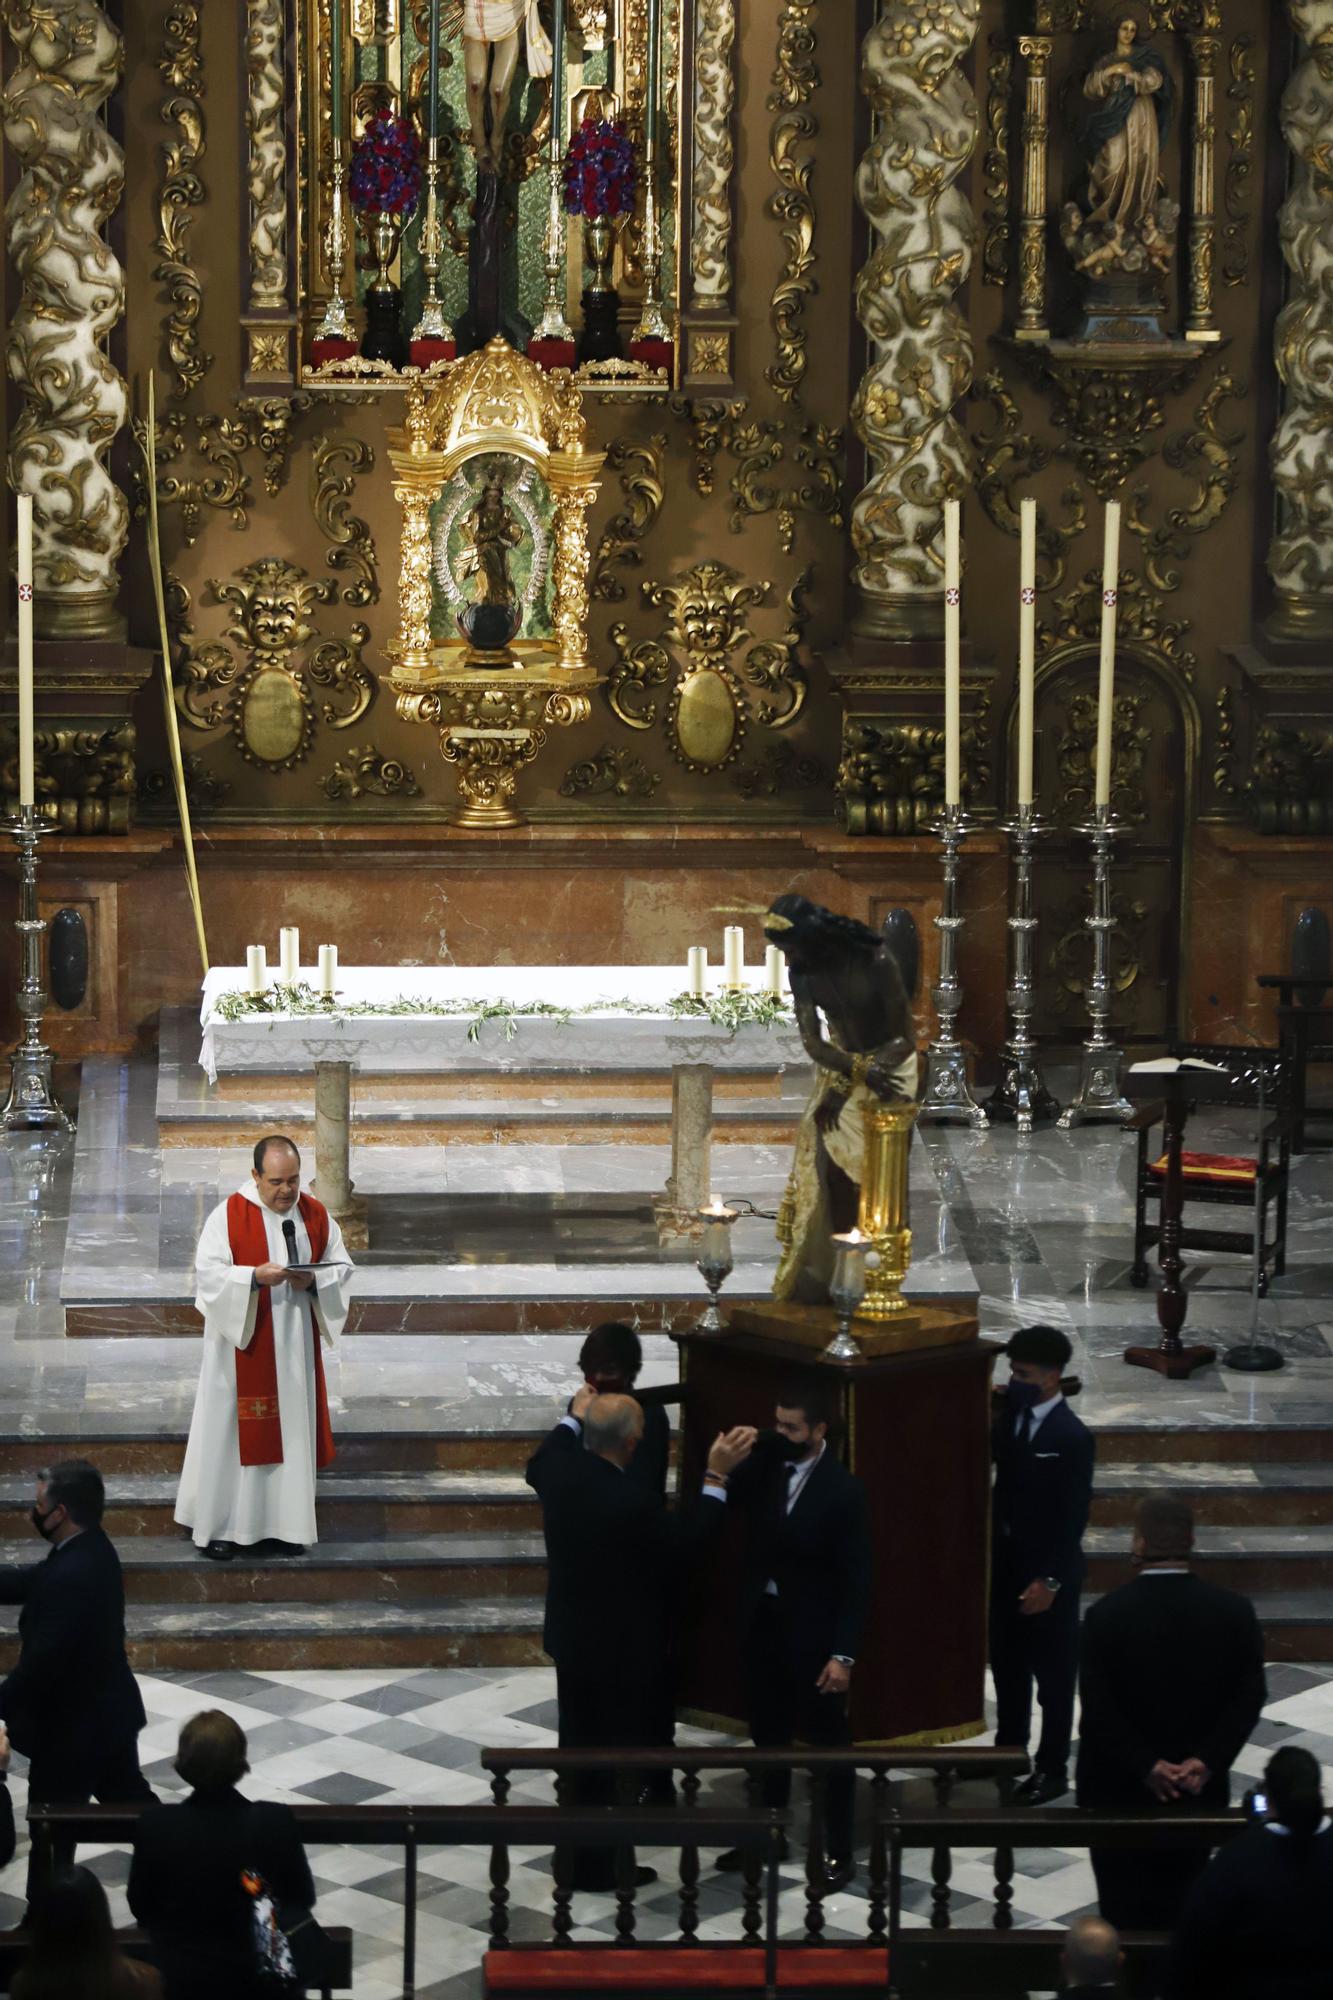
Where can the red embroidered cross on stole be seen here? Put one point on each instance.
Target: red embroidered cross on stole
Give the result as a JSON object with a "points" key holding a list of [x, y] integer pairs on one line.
{"points": [[258, 1421]]}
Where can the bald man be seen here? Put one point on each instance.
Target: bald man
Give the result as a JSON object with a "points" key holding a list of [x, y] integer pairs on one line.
{"points": [[1091, 1961], [614, 1553]]}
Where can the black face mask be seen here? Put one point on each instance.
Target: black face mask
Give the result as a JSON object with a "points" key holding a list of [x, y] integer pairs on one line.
{"points": [[792, 1452], [39, 1521]]}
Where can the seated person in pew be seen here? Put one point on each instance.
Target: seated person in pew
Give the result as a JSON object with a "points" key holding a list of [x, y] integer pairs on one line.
{"points": [[74, 1953]]}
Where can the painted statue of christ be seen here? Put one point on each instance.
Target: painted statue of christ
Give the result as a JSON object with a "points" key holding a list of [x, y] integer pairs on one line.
{"points": [[491, 30]]}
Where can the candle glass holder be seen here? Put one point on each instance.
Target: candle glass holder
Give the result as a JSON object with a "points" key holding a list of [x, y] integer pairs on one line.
{"points": [[715, 1262], [846, 1290], [948, 1093], [884, 1215], [1020, 1095], [1098, 1098], [32, 1105]]}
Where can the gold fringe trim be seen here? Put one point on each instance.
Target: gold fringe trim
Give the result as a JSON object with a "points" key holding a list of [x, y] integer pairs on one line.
{"points": [[926, 1739]]}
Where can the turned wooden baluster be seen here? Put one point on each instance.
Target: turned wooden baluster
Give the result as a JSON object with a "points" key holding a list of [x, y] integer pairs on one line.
{"points": [[562, 1879], [625, 1865], [689, 1863], [878, 1931], [1004, 1887], [752, 1897], [500, 1786], [499, 1896], [814, 1863]]}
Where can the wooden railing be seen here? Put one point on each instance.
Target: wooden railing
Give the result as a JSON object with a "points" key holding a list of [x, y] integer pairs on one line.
{"points": [[900, 1958]]}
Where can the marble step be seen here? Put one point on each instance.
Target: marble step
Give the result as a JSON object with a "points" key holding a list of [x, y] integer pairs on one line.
{"points": [[450, 1447], [168, 1569], [1223, 1495], [352, 1508], [232, 1637], [551, 1119], [1249, 1558], [1161, 1437]]}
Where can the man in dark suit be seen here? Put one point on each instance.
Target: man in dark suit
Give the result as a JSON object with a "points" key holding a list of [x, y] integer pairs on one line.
{"points": [[610, 1360], [71, 1704], [1172, 1683], [614, 1554], [1043, 1486], [805, 1596]]}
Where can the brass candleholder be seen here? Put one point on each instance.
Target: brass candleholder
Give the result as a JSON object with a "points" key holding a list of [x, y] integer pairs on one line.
{"points": [[335, 324], [715, 1261], [846, 1290], [432, 324], [883, 1215], [32, 1105]]}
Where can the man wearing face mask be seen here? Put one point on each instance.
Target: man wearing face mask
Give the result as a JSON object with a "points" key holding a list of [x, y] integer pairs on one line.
{"points": [[805, 1596], [1043, 1488], [71, 1704]]}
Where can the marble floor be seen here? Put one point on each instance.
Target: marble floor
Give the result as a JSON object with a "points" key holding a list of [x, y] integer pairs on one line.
{"points": [[1039, 1228], [394, 1737]]}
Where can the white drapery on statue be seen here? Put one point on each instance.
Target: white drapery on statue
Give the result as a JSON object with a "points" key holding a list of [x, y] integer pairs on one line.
{"points": [[220, 1499], [493, 20]]}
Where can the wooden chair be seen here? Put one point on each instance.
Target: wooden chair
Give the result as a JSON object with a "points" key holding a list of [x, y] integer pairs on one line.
{"points": [[1219, 1180]]}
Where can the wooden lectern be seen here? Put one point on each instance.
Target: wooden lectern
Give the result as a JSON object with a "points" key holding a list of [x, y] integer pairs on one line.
{"points": [[916, 1430]]}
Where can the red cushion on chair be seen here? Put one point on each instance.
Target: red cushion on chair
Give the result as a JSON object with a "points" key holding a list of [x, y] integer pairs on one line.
{"points": [[1210, 1167], [739, 1968]]}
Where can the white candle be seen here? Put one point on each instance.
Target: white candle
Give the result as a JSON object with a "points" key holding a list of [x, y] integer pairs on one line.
{"points": [[256, 966], [773, 970], [953, 608], [1106, 674], [328, 970], [289, 955], [27, 785], [697, 961], [733, 955], [1027, 644]]}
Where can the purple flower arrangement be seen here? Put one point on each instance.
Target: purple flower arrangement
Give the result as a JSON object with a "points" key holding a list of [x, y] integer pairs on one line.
{"points": [[386, 167], [600, 176]]}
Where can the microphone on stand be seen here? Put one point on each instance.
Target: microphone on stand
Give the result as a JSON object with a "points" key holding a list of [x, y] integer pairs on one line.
{"points": [[289, 1232]]}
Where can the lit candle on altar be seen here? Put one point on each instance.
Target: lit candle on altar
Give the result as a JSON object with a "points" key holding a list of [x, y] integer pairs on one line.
{"points": [[848, 1285], [328, 970], [953, 602], [697, 961], [733, 957], [1027, 643], [336, 72], [256, 967], [27, 783], [289, 955], [773, 971], [1106, 673], [715, 1244]]}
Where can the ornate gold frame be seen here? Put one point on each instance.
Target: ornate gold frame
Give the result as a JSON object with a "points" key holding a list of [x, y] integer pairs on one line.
{"points": [[493, 720]]}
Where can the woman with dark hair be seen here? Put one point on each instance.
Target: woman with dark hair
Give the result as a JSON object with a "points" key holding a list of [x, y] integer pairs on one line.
{"points": [[1256, 1923], [74, 1953], [855, 1024], [192, 1862]]}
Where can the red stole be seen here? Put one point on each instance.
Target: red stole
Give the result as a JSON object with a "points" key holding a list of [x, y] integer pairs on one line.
{"points": [[257, 1416]]}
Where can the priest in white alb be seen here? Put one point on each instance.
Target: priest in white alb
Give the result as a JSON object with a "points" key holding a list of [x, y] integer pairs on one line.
{"points": [[273, 1280]]}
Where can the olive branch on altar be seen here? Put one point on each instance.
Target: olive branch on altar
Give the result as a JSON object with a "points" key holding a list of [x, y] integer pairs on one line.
{"points": [[732, 1011]]}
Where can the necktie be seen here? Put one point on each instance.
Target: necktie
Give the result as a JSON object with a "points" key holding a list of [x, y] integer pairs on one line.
{"points": [[1025, 1427]]}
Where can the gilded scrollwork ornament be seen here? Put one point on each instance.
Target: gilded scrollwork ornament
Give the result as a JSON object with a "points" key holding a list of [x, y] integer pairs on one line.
{"points": [[362, 772], [713, 696], [1076, 758], [780, 770], [1077, 617], [611, 772], [207, 449], [337, 461], [83, 778], [714, 152], [262, 684], [71, 293], [1240, 161], [1300, 555], [791, 161], [1225, 785], [266, 133], [1210, 457], [182, 194], [1290, 789], [640, 466], [995, 162], [925, 128], [890, 777], [1008, 460]]}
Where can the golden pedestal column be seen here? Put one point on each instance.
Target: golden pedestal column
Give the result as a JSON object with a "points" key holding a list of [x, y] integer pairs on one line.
{"points": [[883, 1214]]}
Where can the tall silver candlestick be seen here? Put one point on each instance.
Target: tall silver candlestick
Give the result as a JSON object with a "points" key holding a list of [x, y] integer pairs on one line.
{"points": [[32, 1104], [1098, 1098], [553, 325], [1020, 1094], [948, 1093], [335, 325]]}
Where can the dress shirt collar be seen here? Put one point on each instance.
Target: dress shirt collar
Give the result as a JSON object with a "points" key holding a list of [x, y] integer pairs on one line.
{"points": [[1040, 1412], [1276, 1826], [798, 1477]]}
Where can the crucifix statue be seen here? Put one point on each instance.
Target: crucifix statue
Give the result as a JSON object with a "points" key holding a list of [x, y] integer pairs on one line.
{"points": [[491, 31]]}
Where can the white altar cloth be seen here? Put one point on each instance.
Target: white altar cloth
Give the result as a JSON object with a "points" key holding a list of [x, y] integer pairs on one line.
{"points": [[420, 1043]]}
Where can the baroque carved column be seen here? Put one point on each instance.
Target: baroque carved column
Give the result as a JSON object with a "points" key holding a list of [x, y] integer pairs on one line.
{"points": [[1300, 555], [1036, 53], [72, 292], [925, 128], [708, 320], [268, 322]]}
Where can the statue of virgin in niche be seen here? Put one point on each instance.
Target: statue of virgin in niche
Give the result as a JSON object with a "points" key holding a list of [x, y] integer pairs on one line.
{"points": [[1128, 224]]}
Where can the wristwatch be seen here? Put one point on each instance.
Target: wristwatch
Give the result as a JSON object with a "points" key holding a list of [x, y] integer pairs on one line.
{"points": [[1052, 1583]]}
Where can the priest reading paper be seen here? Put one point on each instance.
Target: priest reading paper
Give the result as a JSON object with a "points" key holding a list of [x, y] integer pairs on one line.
{"points": [[273, 1281]]}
